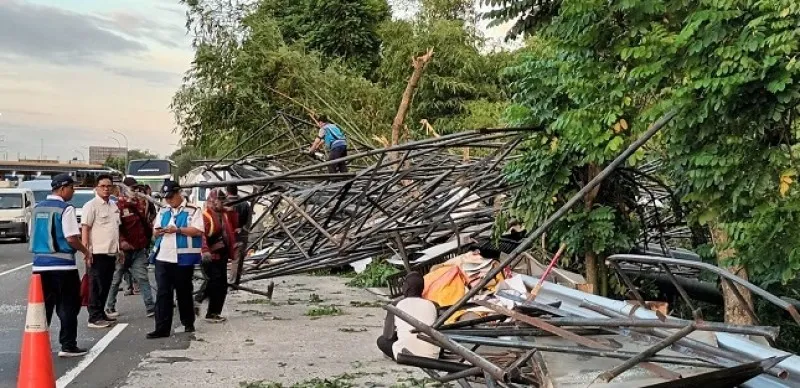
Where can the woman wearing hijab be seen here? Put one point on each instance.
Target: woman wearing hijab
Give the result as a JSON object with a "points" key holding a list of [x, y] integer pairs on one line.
{"points": [[218, 248]]}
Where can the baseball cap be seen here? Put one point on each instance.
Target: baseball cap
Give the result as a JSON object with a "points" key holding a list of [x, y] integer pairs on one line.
{"points": [[169, 188], [130, 181], [61, 180]]}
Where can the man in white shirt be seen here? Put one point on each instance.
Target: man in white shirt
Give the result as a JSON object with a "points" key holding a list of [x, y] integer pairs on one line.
{"points": [[178, 248], [100, 231], [397, 333]]}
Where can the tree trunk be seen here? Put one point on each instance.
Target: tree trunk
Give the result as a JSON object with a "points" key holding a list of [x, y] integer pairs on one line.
{"points": [[419, 64], [592, 265], [735, 311]]}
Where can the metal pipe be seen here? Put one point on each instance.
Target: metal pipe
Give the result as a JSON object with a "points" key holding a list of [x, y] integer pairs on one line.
{"points": [[647, 353], [431, 363], [566, 334], [446, 343], [719, 271], [617, 354], [534, 236]]}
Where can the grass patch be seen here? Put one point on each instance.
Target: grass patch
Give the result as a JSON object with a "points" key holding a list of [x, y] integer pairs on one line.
{"points": [[411, 382], [260, 301], [341, 381], [322, 311], [374, 275], [352, 329], [359, 303]]}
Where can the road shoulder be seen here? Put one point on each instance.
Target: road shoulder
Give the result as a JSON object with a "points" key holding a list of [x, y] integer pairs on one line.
{"points": [[314, 328]]}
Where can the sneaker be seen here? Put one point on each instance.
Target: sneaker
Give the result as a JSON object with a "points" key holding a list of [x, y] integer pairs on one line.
{"points": [[151, 313], [101, 324], [72, 352], [155, 334], [215, 318], [109, 319], [112, 313]]}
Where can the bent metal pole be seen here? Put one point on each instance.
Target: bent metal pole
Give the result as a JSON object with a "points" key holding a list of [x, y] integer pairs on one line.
{"points": [[445, 342], [534, 236]]}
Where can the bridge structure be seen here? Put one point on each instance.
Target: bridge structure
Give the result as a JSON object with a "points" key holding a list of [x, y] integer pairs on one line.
{"points": [[22, 170]]}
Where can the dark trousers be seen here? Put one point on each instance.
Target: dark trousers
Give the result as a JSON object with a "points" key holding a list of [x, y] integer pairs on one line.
{"points": [[337, 153], [102, 274], [173, 281], [385, 345], [62, 293], [217, 285]]}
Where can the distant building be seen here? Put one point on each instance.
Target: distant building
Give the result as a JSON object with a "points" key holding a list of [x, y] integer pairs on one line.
{"points": [[99, 154]]}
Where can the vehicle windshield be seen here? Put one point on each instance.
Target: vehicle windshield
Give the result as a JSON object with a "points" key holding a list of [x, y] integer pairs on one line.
{"points": [[10, 201], [149, 167], [81, 197], [40, 195]]}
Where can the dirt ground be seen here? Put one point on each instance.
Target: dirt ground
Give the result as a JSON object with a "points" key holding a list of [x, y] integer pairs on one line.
{"points": [[315, 329]]}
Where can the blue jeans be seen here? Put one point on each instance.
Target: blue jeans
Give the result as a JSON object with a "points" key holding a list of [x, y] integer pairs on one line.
{"points": [[137, 260]]}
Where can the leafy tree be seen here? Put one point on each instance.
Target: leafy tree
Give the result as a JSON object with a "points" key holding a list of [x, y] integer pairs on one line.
{"points": [[339, 29], [729, 65], [115, 163], [252, 60], [457, 78], [141, 154], [184, 158]]}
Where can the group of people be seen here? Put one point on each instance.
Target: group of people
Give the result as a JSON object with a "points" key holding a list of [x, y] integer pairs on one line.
{"points": [[121, 232]]}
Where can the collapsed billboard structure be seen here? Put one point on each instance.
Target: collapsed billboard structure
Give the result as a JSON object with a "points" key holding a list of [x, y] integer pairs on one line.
{"points": [[426, 201]]}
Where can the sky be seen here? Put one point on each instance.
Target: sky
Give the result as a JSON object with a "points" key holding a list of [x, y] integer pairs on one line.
{"points": [[71, 71]]}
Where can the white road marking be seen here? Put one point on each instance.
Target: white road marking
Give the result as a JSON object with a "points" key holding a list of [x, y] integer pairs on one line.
{"points": [[15, 269], [98, 348]]}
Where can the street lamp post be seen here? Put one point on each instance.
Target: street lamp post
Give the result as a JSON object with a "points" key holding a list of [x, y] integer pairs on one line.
{"points": [[126, 145]]}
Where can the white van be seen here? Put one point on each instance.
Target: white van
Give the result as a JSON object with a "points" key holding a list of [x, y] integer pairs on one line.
{"points": [[16, 208]]}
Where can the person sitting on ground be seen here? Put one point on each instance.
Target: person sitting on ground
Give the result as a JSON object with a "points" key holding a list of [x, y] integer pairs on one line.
{"points": [[397, 333]]}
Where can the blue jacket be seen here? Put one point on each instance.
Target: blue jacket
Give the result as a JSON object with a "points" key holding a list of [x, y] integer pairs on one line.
{"points": [[334, 137], [51, 251], [189, 248]]}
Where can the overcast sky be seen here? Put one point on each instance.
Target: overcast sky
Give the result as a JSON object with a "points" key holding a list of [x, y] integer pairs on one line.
{"points": [[73, 70]]}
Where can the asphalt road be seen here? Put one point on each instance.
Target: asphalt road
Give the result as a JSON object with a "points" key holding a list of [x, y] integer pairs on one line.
{"points": [[122, 353]]}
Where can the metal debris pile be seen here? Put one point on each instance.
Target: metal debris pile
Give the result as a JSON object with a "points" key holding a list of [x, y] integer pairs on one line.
{"points": [[396, 200], [563, 337], [424, 201]]}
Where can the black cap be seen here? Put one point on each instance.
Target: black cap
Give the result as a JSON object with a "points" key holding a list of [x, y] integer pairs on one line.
{"points": [[61, 180], [170, 187], [130, 181]]}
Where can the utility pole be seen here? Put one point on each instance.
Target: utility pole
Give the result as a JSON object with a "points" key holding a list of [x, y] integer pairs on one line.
{"points": [[126, 148]]}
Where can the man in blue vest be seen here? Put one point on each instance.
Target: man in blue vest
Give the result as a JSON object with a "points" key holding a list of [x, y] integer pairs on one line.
{"points": [[334, 140], [178, 248], [55, 238]]}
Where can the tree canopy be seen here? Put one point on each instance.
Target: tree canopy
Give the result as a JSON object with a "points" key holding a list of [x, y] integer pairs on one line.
{"points": [[255, 59], [596, 73]]}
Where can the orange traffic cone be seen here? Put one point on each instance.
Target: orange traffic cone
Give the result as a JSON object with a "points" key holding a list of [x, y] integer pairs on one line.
{"points": [[36, 362]]}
